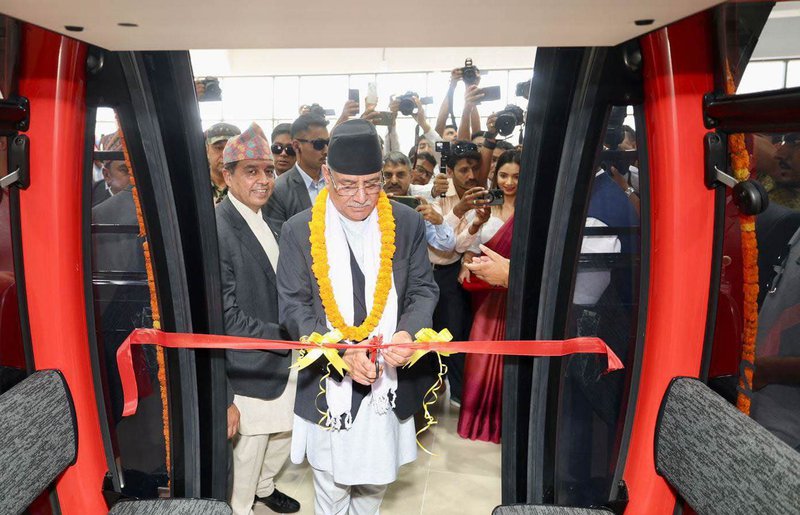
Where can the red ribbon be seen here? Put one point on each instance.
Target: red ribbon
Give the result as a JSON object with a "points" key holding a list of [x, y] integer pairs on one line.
{"points": [[533, 348]]}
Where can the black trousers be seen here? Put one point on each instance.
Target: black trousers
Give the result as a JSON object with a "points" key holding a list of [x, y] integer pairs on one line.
{"points": [[454, 312]]}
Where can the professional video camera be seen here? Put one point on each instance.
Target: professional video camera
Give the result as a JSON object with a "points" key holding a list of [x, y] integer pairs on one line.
{"points": [[509, 118], [211, 90], [407, 104], [456, 149], [469, 73]]}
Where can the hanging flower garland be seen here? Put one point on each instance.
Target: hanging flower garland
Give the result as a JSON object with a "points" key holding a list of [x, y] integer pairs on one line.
{"points": [[321, 268], [740, 163]]}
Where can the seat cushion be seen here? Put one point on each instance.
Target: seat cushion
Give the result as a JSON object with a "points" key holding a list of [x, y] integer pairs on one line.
{"points": [[535, 509], [38, 438], [718, 459], [171, 507]]}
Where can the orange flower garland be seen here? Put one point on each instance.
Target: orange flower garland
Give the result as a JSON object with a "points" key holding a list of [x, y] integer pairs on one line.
{"points": [[151, 283], [740, 163], [321, 268]]}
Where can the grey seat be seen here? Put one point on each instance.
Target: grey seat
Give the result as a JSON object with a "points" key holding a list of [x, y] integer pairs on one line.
{"points": [[171, 507], [38, 438], [721, 461], [38, 441], [536, 509]]}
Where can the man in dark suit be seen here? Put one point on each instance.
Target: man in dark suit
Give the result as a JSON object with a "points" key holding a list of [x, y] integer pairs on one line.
{"points": [[296, 189], [355, 461], [260, 412]]}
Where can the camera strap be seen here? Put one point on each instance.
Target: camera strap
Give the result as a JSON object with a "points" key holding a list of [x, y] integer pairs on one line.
{"points": [[450, 105]]}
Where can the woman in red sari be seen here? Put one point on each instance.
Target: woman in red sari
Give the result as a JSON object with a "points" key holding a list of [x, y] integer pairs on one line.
{"points": [[481, 402]]}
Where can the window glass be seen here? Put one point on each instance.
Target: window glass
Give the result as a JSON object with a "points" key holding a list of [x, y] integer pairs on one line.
{"points": [[246, 97], [775, 163], [760, 41], [287, 101], [605, 303], [329, 91], [793, 74], [122, 303]]}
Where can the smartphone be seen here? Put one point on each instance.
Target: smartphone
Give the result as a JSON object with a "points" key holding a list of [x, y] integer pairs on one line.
{"points": [[495, 197], [354, 96], [372, 94], [490, 93], [412, 202], [384, 118]]}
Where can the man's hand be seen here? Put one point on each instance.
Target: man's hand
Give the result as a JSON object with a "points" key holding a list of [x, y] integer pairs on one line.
{"points": [[440, 185], [428, 212], [349, 110], [398, 356], [420, 117], [233, 420], [472, 199], [456, 75], [491, 267], [362, 369], [482, 216], [463, 275], [472, 97], [490, 127]]}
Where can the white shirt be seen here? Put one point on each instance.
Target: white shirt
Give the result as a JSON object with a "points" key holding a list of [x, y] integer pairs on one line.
{"points": [[313, 187], [260, 229]]}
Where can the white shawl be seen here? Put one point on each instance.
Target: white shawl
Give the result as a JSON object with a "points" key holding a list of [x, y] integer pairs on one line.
{"points": [[339, 394]]}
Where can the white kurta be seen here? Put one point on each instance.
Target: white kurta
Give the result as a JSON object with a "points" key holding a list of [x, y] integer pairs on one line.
{"points": [[372, 450]]}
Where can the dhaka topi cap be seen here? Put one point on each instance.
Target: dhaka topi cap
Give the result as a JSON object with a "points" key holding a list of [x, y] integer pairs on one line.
{"points": [[221, 132], [355, 149], [251, 144]]}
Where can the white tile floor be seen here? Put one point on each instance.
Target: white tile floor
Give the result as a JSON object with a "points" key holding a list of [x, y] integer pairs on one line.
{"points": [[463, 478]]}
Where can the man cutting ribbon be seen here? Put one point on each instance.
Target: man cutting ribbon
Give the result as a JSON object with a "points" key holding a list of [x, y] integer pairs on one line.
{"points": [[357, 263]]}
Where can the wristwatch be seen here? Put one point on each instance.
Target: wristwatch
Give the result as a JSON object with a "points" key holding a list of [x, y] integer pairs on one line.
{"points": [[629, 191]]}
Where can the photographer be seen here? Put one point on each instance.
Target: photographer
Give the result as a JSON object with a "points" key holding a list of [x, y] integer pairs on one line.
{"points": [[466, 169], [444, 110], [396, 183]]}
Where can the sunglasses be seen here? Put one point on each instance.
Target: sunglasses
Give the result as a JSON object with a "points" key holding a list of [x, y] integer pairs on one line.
{"points": [[318, 143], [279, 148]]}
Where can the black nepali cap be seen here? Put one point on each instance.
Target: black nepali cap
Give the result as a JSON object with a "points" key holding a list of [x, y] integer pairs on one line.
{"points": [[355, 149]]}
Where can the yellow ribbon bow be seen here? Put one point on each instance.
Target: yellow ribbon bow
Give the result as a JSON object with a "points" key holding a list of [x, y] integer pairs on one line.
{"points": [[313, 355], [428, 335]]}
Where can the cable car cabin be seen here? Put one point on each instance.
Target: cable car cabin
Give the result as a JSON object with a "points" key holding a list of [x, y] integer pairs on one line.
{"points": [[679, 249]]}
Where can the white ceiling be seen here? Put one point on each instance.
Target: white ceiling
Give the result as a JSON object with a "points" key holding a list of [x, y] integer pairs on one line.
{"points": [[193, 24]]}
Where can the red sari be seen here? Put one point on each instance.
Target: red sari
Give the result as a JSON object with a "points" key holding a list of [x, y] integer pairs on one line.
{"points": [[481, 401]]}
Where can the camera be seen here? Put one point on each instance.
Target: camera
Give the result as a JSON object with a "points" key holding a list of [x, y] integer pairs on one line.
{"points": [[524, 89], [469, 73], [494, 197], [211, 92], [407, 104], [456, 149], [509, 118]]}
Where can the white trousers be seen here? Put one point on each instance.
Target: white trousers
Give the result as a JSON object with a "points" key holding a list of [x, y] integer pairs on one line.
{"points": [[257, 459], [331, 498]]}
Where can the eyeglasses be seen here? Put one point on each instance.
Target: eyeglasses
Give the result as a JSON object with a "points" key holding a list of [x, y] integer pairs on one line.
{"points": [[370, 188], [318, 143], [279, 148]]}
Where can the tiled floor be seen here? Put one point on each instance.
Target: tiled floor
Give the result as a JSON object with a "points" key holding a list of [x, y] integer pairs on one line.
{"points": [[463, 478]]}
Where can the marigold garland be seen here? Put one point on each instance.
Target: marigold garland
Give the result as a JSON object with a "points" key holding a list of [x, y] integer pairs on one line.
{"points": [[740, 163], [321, 268], [151, 284]]}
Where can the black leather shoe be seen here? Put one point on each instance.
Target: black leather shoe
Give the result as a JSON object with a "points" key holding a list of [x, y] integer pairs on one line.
{"points": [[279, 502]]}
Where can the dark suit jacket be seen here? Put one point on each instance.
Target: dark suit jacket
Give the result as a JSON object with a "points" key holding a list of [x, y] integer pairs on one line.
{"points": [[99, 192], [289, 197], [120, 252], [250, 307], [301, 310]]}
